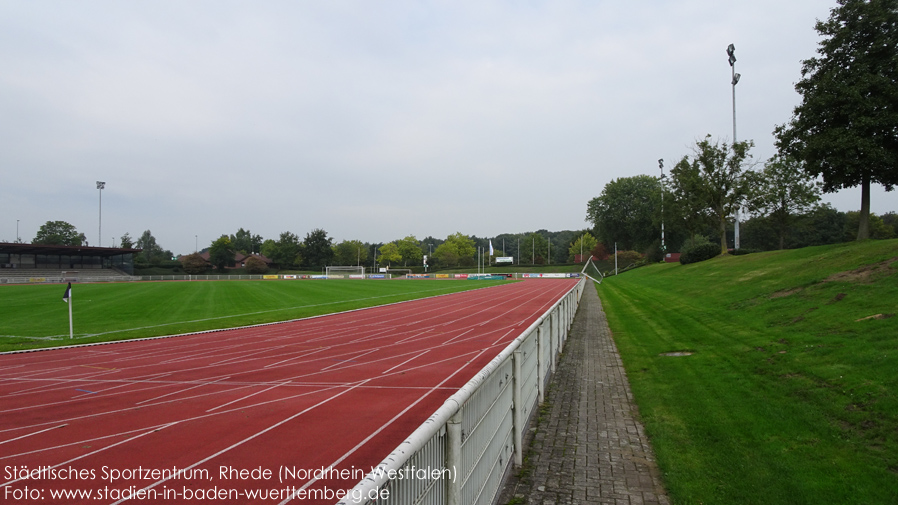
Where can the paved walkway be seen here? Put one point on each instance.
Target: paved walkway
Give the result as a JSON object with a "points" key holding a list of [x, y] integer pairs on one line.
{"points": [[590, 449]]}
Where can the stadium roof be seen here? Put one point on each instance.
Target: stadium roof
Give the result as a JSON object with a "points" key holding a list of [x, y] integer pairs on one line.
{"points": [[63, 250]]}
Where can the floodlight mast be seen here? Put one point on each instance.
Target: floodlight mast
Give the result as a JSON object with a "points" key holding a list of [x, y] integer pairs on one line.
{"points": [[100, 186], [661, 166], [731, 52]]}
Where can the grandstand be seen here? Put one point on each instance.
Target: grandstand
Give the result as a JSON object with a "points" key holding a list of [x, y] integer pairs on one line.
{"points": [[22, 263]]}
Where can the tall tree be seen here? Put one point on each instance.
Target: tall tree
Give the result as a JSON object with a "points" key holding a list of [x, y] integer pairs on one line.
{"points": [[350, 252], [782, 190], [624, 212], [388, 253], [152, 252], [317, 248], [127, 241], [284, 252], [534, 249], [58, 233], [245, 242], [457, 249], [845, 127], [722, 186], [410, 250], [582, 246], [221, 253]]}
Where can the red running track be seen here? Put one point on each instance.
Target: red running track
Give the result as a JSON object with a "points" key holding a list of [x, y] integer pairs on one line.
{"points": [[157, 421]]}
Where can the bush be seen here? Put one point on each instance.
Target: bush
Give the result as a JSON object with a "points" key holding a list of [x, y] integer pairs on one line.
{"points": [[744, 250], [255, 266], [193, 264], [698, 253]]}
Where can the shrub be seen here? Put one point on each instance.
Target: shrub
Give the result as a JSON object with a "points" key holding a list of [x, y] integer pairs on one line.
{"points": [[193, 264], [698, 253], [255, 266]]}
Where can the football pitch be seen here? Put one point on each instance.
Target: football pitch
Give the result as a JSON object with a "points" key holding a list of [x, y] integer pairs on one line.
{"points": [[36, 316]]}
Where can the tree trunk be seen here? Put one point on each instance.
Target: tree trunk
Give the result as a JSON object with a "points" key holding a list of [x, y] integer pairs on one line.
{"points": [[723, 234], [863, 229]]}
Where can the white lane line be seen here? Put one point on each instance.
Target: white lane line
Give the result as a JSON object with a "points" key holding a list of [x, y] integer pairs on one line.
{"points": [[91, 453], [350, 359], [406, 361], [248, 396], [247, 439], [382, 427], [32, 434], [184, 390]]}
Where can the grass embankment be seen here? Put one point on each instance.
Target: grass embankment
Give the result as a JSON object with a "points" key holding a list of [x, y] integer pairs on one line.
{"points": [[790, 395], [34, 316]]}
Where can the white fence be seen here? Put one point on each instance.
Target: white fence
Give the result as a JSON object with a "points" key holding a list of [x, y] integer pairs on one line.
{"points": [[460, 455]]}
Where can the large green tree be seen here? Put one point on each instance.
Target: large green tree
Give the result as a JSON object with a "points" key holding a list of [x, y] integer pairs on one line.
{"points": [[221, 253], [582, 246], [781, 191], [846, 127], [58, 233], [722, 187], [285, 251], [625, 212], [152, 252], [388, 253], [350, 252], [685, 201], [457, 249], [245, 242], [410, 250], [317, 248]]}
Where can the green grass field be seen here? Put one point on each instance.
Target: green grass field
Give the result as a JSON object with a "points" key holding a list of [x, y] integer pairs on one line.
{"points": [[35, 316], [791, 393]]}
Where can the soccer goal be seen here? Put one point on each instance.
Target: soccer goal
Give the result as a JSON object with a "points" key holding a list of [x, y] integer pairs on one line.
{"points": [[592, 271], [345, 272]]}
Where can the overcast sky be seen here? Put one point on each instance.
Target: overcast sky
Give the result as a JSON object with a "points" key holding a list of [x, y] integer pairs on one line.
{"points": [[373, 120]]}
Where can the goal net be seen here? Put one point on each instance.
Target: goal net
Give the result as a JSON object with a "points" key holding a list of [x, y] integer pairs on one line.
{"points": [[592, 271], [345, 272]]}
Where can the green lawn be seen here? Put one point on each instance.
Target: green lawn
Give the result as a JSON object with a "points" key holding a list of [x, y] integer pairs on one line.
{"points": [[35, 316], [790, 395]]}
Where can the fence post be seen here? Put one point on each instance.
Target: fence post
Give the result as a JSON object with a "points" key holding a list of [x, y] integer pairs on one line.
{"points": [[517, 408], [453, 458], [540, 364]]}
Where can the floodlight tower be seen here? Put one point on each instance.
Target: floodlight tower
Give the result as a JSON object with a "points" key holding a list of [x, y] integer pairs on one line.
{"points": [[731, 52], [661, 166], [101, 186]]}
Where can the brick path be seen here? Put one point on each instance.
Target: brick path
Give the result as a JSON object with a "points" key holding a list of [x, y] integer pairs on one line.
{"points": [[590, 449]]}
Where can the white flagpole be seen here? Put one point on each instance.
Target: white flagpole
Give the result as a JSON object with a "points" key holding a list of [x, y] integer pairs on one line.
{"points": [[71, 328]]}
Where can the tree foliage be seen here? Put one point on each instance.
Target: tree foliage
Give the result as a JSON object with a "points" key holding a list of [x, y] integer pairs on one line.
{"points": [[58, 233], [457, 249], [582, 245], [152, 252], [193, 264], [388, 254], [846, 127], [254, 265], [127, 241], [534, 249], [410, 250], [350, 252], [284, 251], [625, 212], [245, 242], [716, 179], [221, 253], [317, 248], [781, 191]]}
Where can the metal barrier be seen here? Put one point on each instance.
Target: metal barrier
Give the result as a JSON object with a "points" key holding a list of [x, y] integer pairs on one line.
{"points": [[459, 456]]}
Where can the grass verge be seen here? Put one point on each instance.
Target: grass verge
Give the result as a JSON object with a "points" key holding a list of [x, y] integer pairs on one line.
{"points": [[35, 316], [789, 395]]}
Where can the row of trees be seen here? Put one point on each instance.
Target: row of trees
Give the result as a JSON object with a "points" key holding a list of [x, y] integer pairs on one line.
{"points": [[845, 132]]}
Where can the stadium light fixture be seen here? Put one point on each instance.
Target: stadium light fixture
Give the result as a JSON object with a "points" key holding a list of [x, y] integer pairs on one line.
{"points": [[661, 166], [100, 186], [731, 53]]}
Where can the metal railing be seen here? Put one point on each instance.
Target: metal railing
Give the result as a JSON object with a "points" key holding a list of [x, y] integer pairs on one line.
{"points": [[460, 455]]}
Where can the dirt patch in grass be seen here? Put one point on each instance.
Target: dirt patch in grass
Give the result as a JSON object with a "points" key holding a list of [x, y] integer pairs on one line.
{"points": [[875, 316], [864, 274], [785, 292]]}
